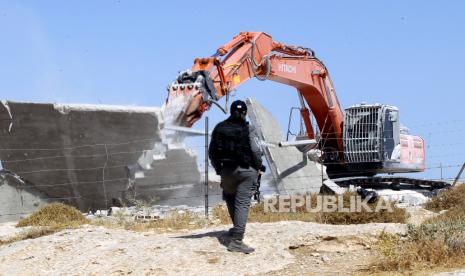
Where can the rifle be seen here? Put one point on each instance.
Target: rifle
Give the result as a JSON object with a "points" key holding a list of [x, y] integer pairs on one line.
{"points": [[256, 195]]}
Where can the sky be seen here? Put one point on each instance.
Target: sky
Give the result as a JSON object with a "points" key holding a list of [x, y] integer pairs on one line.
{"points": [[410, 54]]}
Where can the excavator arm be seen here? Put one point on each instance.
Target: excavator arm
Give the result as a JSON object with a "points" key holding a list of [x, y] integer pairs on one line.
{"points": [[256, 55]]}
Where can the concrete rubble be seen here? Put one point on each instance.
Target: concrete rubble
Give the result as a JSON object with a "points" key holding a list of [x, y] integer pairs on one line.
{"points": [[405, 198], [148, 212], [91, 156]]}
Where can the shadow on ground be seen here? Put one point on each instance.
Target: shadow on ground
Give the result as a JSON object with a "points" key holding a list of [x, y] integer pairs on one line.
{"points": [[222, 237]]}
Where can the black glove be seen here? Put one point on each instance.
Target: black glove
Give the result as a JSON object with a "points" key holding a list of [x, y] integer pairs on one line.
{"points": [[263, 168]]}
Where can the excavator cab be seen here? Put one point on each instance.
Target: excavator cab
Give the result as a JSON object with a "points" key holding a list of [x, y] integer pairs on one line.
{"points": [[373, 141]]}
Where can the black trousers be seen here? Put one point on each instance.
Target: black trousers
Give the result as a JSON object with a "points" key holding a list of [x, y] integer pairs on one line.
{"points": [[238, 188]]}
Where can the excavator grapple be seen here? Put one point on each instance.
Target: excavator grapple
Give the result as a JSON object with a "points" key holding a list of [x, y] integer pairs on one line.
{"points": [[188, 97]]}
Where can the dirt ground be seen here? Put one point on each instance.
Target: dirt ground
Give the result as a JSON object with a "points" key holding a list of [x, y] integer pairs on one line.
{"points": [[282, 247]]}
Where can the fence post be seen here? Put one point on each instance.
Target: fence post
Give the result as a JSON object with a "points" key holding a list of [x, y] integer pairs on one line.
{"points": [[459, 175], [206, 167], [103, 176], [440, 166]]}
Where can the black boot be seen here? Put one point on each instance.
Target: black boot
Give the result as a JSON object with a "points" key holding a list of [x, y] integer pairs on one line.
{"points": [[228, 234], [239, 246]]}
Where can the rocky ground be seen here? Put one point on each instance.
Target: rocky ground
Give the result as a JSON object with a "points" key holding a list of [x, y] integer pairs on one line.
{"points": [[283, 247]]}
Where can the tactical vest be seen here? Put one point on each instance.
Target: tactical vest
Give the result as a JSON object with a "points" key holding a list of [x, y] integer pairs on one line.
{"points": [[233, 144]]}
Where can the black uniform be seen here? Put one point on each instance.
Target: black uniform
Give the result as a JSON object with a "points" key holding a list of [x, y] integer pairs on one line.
{"points": [[236, 155]]}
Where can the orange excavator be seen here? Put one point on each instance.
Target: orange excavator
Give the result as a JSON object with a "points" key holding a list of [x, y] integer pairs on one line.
{"points": [[362, 141]]}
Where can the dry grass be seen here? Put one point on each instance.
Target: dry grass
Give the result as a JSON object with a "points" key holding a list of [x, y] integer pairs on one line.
{"points": [[447, 199], [258, 214], [397, 215], [188, 220], [47, 220], [425, 247], [57, 215], [175, 220], [438, 242]]}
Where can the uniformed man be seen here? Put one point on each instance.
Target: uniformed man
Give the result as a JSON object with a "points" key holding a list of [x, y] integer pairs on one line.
{"points": [[236, 155]]}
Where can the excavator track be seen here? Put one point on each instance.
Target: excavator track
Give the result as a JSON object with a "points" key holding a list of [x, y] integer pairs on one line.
{"points": [[396, 182]]}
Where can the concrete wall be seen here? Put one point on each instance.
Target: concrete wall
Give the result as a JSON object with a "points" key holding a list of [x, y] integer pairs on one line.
{"points": [[292, 171], [92, 155]]}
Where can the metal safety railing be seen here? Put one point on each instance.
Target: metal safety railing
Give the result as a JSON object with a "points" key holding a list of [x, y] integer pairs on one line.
{"points": [[362, 134]]}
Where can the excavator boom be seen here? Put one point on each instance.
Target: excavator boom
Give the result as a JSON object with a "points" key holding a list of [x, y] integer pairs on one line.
{"points": [[256, 55]]}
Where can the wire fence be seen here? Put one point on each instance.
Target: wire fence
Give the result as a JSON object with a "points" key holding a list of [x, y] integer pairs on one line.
{"points": [[110, 166]]}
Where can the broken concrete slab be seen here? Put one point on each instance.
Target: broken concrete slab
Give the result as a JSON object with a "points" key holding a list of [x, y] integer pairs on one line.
{"points": [[329, 187], [16, 201], [291, 169], [92, 155], [405, 198]]}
